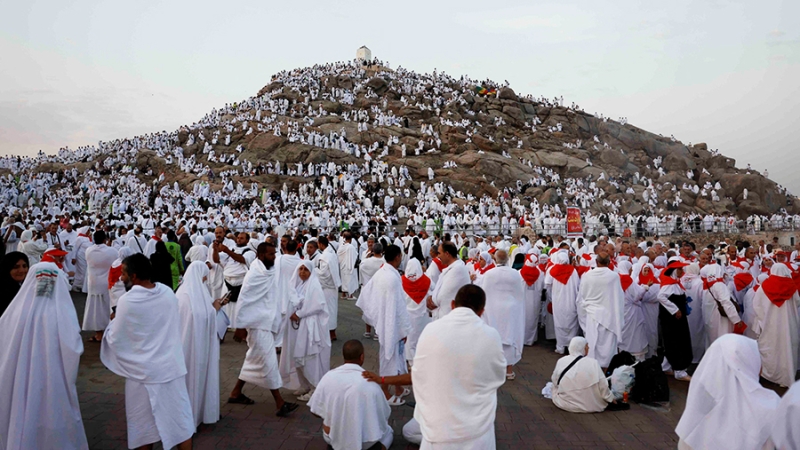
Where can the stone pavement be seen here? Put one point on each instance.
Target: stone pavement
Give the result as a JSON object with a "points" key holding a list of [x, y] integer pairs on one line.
{"points": [[524, 418]]}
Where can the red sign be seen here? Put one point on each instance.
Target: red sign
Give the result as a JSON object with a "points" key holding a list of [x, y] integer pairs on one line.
{"points": [[574, 227]]}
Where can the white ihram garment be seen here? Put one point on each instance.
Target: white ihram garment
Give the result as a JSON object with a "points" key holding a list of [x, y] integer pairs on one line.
{"points": [[505, 309], [99, 259], [39, 365], [143, 344], [604, 303], [348, 255], [328, 266], [453, 277], [200, 344]]}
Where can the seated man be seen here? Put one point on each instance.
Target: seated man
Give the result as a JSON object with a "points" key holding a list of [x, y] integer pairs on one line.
{"points": [[355, 413], [578, 381]]}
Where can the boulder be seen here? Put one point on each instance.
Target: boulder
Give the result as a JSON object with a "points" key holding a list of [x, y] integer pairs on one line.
{"points": [[378, 85], [507, 93]]}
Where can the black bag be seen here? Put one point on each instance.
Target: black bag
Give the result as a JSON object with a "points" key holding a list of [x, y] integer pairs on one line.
{"points": [[651, 382], [622, 358]]}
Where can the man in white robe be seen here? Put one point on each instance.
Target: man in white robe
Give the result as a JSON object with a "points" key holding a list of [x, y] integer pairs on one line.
{"points": [[137, 242], [82, 242], [328, 266], [634, 334], [258, 316], [348, 255], [454, 411], [369, 265], [155, 238], [354, 411], [715, 295], [99, 259], [143, 345], [39, 365], [777, 326], [306, 355], [198, 313], [383, 303], [604, 303], [453, 277], [505, 309], [288, 264]]}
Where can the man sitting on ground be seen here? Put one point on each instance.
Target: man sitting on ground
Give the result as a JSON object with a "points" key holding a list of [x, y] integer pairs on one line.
{"points": [[578, 381], [354, 412]]}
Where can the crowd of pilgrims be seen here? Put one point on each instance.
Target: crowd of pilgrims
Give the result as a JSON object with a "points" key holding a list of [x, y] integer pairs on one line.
{"points": [[169, 272], [162, 297]]}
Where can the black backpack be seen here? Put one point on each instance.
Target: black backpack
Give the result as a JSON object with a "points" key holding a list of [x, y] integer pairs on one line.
{"points": [[651, 382], [622, 358]]}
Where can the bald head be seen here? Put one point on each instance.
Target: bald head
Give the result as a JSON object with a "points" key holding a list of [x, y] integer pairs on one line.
{"points": [[603, 259], [501, 257]]}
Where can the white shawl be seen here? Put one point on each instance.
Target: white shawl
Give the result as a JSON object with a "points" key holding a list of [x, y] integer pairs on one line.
{"points": [[258, 306], [505, 305], [604, 299], [453, 277], [383, 302]]}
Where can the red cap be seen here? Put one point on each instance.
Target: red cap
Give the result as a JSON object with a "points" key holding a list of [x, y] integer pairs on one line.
{"points": [[56, 252]]}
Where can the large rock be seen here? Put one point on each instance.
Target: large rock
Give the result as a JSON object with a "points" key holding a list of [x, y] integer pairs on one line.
{"points": [[507, 93], [378, 85]]}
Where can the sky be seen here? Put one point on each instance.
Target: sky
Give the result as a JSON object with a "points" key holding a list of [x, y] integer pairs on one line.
{"points": [[726, 73]]}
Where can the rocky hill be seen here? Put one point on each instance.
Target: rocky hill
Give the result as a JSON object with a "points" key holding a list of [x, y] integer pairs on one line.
{"points": [[504, 132]]}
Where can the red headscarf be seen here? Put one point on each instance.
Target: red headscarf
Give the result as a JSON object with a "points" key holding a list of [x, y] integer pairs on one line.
{"points": [[644, 279], [778, 289], [113, 275], [418, 289], [529, 273], [742, 280], [562, 272], [486, 269], [626, 281]]}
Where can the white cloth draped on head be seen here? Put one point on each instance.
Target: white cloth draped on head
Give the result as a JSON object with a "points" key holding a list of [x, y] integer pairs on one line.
{"points": [[308, 298], [413, 269], [383, 302], [122, 253], [624, 267], [486, 257], [712, 272], [577, 346], [39, 365], [726, 406], [200, 344], [692, 269]]}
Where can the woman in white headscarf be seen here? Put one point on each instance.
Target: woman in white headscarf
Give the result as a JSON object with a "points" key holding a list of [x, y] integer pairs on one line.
{"points": [[716, 295], [581, 386], [726, 406], [416, 286], [39, 365], [486, 264], [32, 248], [198, 312], [306, 353], [116, 288], [199, 250]]}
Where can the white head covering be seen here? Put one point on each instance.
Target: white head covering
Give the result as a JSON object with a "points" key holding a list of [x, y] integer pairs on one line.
{"points": [[726, 406], [193, 285], [41, 335], [122, 253], [692, 269], [780, 270], [26, 236], [561, 257], [303, 293], [624, 267], [413, 269], [486, 257], [712, 272], [577, 346]]}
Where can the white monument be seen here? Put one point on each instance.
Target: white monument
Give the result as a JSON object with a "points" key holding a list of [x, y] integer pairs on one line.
{"points": [[364, 54]]}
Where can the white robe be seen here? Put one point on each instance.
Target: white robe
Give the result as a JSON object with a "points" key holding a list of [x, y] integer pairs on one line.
{"points": [[726, 406], [583, 389], [453, 277], [82, 243], [565, 307], [533, 308], [785, 432], [604, 302], [383, 303], [348, 255], [715, 324], [143, 345], [634, 331], [328, 266], [307, 347], [355, 410], [39, 365], [778, 331], [451, 408], [200, 344], [258, 311], [288, 264], [99, 259], [505, 309]]}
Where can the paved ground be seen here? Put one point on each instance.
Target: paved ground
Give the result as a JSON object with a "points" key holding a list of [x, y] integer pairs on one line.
{"points": [[524, 418]]}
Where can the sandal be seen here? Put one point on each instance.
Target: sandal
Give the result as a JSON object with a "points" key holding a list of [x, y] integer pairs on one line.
{"points": [[511, 376], [94, 339], [396, 401], [286, 409], [406, 392], [241, 400]]}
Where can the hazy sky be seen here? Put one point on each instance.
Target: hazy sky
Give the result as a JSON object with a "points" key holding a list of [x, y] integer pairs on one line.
{"points": [[722, 72]]}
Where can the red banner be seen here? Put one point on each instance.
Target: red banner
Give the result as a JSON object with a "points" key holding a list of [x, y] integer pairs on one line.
{"points": [[574, 227]]}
